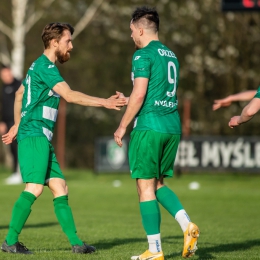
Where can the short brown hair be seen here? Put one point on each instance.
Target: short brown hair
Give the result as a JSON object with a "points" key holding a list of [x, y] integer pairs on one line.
{"points": [[54, 31]]}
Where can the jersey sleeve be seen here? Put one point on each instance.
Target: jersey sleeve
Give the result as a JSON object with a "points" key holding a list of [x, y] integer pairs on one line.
{"points": [[257, 95], [141, 65], [23, 82], [50, 75]]}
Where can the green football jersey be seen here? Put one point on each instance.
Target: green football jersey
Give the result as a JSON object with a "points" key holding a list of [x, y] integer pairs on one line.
{"points": [[257, 95], [40, 103], [159, 111]]}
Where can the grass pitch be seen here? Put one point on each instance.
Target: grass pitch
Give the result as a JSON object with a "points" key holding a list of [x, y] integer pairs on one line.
{"points": [[226, 208]]}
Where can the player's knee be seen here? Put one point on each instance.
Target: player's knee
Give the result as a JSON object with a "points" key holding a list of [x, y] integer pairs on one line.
{"points": [[35, 189], [58, 187]]}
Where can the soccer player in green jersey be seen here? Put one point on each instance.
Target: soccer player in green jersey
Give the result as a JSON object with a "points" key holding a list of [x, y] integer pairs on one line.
{"points": [[249, 110], [35, 113], [156, 134]]}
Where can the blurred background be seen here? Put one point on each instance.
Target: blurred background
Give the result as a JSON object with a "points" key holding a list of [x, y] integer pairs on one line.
{"points": [[218, 51]]}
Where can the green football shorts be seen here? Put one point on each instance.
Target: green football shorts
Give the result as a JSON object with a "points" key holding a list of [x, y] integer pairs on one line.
{"points": [[152, 154], [38, 162]]}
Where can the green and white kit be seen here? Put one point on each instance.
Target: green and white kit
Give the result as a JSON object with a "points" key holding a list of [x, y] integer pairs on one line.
{"points": [[40, 104], [157, 126]]}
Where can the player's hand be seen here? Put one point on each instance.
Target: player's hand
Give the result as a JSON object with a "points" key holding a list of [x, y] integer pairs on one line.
{"points": [[119, 134], [11, 135], [234, 121], [224, 102], [115, 102], [121, 95]]}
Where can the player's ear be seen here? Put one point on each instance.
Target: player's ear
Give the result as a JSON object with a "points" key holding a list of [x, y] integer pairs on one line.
{"points": [[141, 31], [54, 43]]}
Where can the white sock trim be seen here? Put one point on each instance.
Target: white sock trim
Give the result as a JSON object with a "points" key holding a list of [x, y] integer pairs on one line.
{"points": [[154, 242], [183, 219]]}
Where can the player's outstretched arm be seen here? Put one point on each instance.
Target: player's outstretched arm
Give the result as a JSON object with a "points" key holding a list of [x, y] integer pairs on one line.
{"points": [[225, 102], [71, 96], [247, 113]]}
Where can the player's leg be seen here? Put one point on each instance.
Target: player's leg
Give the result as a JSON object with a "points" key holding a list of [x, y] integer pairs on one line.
{"points": [[144, 168], [55, 181], [169, 200], [151, 218], [164, 195], [33, 155]]}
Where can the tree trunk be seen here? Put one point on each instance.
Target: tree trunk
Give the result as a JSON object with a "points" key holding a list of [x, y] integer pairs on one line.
{"points": [[18, 51]]}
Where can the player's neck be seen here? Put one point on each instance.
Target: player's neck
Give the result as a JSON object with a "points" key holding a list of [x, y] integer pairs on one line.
{"points": [[149, 39], [50, 55]]}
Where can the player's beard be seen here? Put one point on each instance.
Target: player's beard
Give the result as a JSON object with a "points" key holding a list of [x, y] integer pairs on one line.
{"points": [[62, 57]]}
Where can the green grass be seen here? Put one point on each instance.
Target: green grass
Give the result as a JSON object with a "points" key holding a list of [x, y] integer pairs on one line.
{"points": [[226, 208]]}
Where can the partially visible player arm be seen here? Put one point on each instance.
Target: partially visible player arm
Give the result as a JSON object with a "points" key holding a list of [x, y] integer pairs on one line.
{"points": [[135, 102], [225, 102], [71, 96], [11, 135], [121, 95], [247, 113]]}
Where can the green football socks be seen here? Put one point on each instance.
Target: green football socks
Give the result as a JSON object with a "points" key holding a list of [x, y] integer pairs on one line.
{"points": [[169, 200], [64, 215], [151, 216], [20, 213]]}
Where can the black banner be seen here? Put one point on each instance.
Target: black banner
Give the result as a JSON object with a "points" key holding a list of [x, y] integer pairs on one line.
{"points": [[196, 153]]}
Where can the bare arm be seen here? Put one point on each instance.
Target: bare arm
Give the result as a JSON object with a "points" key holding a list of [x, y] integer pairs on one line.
{"points": [[18, 105], [135, 102], [71, 96], [247, 113], [242, 96], [12, 133]]}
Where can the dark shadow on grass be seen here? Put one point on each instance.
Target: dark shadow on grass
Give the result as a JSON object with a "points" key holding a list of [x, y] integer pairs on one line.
{"points": [[107, 244], [205, 252], [39, 225]]}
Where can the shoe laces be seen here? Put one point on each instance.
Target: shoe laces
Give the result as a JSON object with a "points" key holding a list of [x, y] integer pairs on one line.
{"points": [[22, 246]]}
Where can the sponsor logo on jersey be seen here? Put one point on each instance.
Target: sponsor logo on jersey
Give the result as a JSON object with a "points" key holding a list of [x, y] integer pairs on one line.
{"points": [[165, 103], [51, 66], [166, 53], [137, 57], [32, 66], [23, 113]]}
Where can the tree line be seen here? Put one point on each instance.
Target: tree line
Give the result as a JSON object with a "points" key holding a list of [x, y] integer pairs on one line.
{"points": [[218, 54]]}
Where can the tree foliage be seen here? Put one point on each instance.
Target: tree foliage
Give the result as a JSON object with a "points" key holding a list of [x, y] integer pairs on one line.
{"points": [[218, 54]]}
